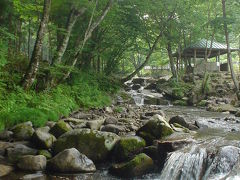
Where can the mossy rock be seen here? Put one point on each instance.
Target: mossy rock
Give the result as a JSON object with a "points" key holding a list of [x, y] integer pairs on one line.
{"points": [[96, 145], [60, 128], [202, 103], [127, 146], [23, 131], [139, 165], [45, 153], [155, 128], [43, 139], [180, 103]]}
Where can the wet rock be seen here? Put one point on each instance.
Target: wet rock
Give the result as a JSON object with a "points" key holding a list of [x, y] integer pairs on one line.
{"points": [[6, 135], [113, 128], [32, 163], [94, 144], [151, 151], [95, 124], [43, 139], [45, 129], [151, 86], [140, 81], [127, 146], [19, 150], [5, 170], [155, 128], [4, 146], [179, 120], [60, 128], [164, 147], [110, 120], [71, 160], [200, 125], [226, 158], [136, 86], [23, 131], [138, 166], [179, 128]]}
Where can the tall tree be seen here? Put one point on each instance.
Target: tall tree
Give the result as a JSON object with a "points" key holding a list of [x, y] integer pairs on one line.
{"points": [[32, 69], [229, 55]]}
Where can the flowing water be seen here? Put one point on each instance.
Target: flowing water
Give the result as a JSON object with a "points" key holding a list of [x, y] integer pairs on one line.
{"points": [[214, 153]]}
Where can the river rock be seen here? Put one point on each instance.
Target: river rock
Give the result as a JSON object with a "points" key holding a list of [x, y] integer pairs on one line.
{"points": [[60, 128], [222, 108], [140, 81], [136, 86], [5, 170], [127, 146], [6, 135], [36, 176], [43, 139], [155, 128], [94, 144], [138, 166], [50, 124], [23, 131], [71, 160], [179, 120], [110, 120], [95, 124], [32, 163], [113, 128], [14, 153]]}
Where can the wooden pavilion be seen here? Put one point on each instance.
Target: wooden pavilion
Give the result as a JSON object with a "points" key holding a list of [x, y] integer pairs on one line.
{"points": [[198, 50]]}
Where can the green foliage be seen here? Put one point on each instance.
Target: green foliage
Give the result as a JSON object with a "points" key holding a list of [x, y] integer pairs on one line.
{"points": [[179, 88], [84, 91], [206, 86]]}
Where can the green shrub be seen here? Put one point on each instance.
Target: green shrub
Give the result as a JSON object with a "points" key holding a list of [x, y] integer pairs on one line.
{"points": [[84, 90]]}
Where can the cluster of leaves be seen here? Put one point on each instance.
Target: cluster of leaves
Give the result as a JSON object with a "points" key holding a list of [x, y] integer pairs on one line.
{"points": [[84, 91]]}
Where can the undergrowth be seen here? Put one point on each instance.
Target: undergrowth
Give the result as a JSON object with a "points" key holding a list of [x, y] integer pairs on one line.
{"points": [[84, 90]]}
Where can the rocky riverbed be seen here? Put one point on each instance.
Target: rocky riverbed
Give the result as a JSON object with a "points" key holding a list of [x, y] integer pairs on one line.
{"points": [[126, 141]]}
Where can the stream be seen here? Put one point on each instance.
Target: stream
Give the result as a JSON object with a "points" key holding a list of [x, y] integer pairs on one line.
{"points": [[214, 153]]}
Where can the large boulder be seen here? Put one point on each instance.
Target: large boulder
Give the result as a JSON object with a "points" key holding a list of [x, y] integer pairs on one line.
{"points": [[127, 146], [23, 131], [156, 128], [43, 139], [60, 128], [32, 163], [140, 81], [71, 160], [5, 170], [94, 144], [19, 150], [138, 166]]}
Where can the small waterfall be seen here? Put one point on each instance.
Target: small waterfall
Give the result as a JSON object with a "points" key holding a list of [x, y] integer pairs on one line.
{"points": [[200, 164], [185, 166]]}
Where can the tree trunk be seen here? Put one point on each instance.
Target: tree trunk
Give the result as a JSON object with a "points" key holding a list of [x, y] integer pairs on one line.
{"points": [[30, 74], [29, 39], [229, 56], [88, 34], [172, 65], [72, 19], [151, 50]]}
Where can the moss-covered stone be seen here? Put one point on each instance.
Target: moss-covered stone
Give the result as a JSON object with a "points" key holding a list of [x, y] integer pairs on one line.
{"points": [[202, 103], [60, 128], [94, 144], [43, 139], [45, 153], [128, 146], [155, 128], [180, 103], [23, 131], [138, 166]]}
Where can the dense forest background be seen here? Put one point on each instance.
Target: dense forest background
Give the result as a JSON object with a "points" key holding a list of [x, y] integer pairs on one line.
{"points": [[59, 55]]}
